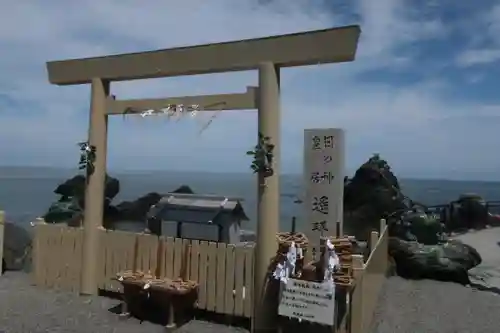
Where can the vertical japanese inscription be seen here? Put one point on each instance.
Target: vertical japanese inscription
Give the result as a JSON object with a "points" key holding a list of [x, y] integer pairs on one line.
{"points": [[323, 176]]}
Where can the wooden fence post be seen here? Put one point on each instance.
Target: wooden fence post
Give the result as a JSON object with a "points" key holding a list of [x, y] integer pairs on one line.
{"points": [[2, 230], [358, 267]]}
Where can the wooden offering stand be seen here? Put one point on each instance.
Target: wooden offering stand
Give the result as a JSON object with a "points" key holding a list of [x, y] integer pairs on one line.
{"points": [[144, 293]]}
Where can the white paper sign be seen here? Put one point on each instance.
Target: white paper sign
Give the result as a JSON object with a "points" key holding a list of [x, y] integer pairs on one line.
{"points": [[323, 181], [310, 301]]}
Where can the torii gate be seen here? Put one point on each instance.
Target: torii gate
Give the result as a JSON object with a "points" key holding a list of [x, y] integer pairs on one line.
{"points": [[267, 55]]}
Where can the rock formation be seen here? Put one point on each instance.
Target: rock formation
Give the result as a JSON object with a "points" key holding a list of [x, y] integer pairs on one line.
{"points": [[70, 206], [418, 241]]}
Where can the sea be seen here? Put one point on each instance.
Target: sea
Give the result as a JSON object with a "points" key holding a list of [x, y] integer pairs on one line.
{"points": [[27, 192]]}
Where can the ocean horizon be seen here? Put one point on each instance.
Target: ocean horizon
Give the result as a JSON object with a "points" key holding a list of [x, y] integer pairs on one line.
{"points": [[27, 192]]}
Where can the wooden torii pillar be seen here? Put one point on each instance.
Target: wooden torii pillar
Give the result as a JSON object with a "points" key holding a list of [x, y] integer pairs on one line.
{"points": [[267, 55]]}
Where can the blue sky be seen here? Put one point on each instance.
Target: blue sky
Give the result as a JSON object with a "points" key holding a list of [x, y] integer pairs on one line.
{"points": [[423, 91]]}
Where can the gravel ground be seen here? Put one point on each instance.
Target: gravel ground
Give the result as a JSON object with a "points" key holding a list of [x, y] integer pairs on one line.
{"points": [[27, 309], [435, 307], [432, 306]]}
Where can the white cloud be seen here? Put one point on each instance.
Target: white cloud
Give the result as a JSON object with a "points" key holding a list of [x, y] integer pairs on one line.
{"points": [[484, 46], [404, 123], [478, 57]]}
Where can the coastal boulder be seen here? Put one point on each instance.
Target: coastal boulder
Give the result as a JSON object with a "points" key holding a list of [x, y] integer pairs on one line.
{"points": [[418, 226], [17, 247], [449, 261], [468, 212]]}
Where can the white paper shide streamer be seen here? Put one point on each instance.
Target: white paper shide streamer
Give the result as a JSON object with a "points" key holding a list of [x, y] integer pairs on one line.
{"points": [[173, 110], [331, 264], [285, 270], [176, 111]]}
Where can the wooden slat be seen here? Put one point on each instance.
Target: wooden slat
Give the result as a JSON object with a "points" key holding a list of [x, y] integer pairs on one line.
{"points": [[147, 253], [221, 278], [112, 266], [186, 259], [212, 276], [72, 262], [239, 282], [43, 234], [120, 255], [167, 258], [229, 281], [177, 258], [101, 264], [68, 242], [249, 264], [2, 235], [127, 252], [66, 251], [76, 269], [203, 263], [194, 260], [108, 260], [37, 256], [116, 255], [53, 253], [47, 256]]}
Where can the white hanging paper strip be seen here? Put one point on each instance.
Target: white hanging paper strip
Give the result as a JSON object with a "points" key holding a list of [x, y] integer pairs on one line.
{"points": [[332, 263], [173, 110], [209, 122], [283, 271], [176, 112]]}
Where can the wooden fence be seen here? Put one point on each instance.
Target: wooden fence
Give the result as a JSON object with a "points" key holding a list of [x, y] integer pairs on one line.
{"points": [[224, 271]]}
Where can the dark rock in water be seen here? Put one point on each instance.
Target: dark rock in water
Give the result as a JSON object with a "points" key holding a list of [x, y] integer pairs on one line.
{"points": [[75, 187], [184, 189], [17, 247], [63, 210], [69, 208], [449, 261], [137, 210]]}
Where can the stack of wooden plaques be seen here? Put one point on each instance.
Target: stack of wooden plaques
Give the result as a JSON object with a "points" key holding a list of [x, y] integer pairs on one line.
{"points": [[344, 250], [284, 240], [314, 271], [177, 286]]}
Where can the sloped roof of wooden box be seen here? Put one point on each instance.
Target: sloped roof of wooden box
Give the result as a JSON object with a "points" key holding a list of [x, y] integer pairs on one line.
{"points": [[194, 208]]}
